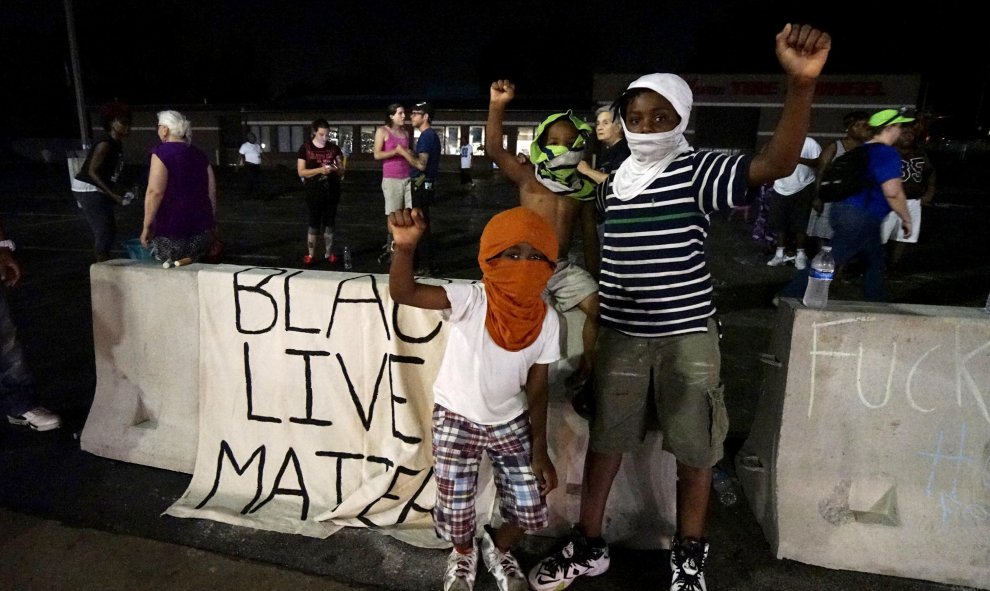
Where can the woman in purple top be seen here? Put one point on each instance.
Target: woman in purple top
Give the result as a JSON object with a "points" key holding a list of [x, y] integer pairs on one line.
{"points": [[181, 201], [391, 140]]}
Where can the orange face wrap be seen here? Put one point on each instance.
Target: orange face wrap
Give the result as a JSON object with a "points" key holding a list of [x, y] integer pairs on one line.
{"points": [[513, 287]]}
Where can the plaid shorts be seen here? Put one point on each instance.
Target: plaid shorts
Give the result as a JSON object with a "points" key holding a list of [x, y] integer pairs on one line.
{"points": [[458, 444]]}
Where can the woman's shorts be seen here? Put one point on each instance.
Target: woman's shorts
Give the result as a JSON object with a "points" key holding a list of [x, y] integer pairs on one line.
{"points": [[398, 194], [891, 227]]}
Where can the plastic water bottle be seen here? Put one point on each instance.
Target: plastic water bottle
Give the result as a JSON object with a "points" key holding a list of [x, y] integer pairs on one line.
{"points": [[819, 277], [725, 487], [348, 262]]}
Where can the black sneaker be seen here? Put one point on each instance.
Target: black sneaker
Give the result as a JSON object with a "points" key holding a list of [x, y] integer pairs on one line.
{"points": [[687, 565], [573, 558]]}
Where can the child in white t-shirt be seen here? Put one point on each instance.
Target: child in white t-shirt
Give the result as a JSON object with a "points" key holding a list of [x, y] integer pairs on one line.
{"points": [[491, 390]]}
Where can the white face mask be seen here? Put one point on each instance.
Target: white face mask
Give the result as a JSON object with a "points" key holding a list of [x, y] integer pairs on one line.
{"points": [[647, 148], [650, 154]]}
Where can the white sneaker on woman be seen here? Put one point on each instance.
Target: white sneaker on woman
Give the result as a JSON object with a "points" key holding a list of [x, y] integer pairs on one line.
{"points": [[38, 418]]}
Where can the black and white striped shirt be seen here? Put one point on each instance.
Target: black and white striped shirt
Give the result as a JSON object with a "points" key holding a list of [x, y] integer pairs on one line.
{"points": [[654, 279]]}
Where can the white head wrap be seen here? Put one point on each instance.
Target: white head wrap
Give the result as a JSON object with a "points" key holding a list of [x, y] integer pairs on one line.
{"points": [[651, 153]]}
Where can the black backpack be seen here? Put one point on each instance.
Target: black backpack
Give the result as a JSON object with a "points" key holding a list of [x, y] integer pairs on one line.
{"points": [[846, 175]]}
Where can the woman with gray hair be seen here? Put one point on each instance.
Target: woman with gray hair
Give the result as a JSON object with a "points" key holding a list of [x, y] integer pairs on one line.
{"points": [[608, 130], [181, 201]]}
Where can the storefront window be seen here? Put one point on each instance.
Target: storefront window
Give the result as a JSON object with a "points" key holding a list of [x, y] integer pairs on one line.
{"points": [[451, 139], [476, 135], [299, 137], [524, 139], [285, 138], [266, 145], [367, 139], [347, 140], [266, 138]]}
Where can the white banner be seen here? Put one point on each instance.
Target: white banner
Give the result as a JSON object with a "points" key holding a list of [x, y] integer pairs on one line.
{"points": [[315, 406]]}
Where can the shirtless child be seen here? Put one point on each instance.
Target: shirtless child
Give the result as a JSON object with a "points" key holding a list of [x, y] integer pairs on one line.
{"points": [[551, 187]]}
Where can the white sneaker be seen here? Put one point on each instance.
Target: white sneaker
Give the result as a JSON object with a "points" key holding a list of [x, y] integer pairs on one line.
{"points": [[779, 260], [38, 418], [503, 566], [461, 570], [800, 261]]}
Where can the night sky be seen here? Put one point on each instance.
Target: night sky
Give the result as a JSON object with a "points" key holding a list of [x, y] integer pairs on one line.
{"points": [[262, 52]]}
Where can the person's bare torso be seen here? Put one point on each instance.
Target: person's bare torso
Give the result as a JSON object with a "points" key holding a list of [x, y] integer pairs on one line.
{"points": [[558, 210]]}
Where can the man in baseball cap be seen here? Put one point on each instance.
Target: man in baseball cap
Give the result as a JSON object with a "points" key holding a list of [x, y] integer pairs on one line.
{"points": [[424, 108], [425, 163], [891, 117]]}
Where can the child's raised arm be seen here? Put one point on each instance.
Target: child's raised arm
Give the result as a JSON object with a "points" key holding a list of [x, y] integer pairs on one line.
{"points": [[502, 93], [407, 226]]}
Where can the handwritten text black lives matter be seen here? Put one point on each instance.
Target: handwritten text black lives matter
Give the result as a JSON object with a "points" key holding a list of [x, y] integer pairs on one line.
{"points": [[256, 292]]}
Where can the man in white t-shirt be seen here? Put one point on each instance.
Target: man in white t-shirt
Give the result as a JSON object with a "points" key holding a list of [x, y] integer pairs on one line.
{"points": [[250, 160], [790, 206]]}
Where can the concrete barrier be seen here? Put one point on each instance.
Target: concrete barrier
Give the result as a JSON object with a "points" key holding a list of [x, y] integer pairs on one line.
{"points": [[870, 447], [146, 330], [641, 510], [146, 344]]}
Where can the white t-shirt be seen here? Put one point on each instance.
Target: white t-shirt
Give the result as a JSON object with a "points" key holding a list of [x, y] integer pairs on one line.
{"points": [[251, 153], [803, 175], [478, 379], [76, 161], [466, 152]]}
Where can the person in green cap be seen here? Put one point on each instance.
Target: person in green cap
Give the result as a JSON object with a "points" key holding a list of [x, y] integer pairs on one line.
{"points": [[857, 219], [550, 185]]}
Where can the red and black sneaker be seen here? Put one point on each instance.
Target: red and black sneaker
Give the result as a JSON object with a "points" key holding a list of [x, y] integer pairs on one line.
{"points": [[308, 260]]}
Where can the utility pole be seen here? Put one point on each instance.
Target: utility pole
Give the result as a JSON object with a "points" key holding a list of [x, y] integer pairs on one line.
{"points": [[75, 159], [76, 75], [979, 108]]}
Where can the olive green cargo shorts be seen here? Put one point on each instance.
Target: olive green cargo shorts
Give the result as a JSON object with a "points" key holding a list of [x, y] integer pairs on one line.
{"points": [[675, 380]]}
